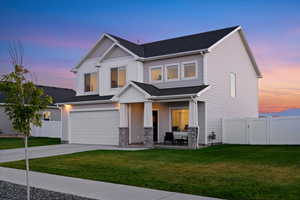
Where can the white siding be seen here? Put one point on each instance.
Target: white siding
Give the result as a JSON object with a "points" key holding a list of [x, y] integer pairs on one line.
{"points": [[116, 52], [88, 66], [229, 56], [133, 72], [131, 95], [101, 48]]}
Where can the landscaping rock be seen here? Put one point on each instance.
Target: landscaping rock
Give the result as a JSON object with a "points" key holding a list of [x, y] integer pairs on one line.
{"points": [[11, 191]]}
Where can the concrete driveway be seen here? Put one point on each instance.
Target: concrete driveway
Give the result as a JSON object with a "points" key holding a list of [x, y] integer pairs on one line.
{"points": [[53, 150]]}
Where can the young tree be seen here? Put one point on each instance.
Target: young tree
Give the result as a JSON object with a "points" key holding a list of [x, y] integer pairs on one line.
{"points": [[23, 103]]}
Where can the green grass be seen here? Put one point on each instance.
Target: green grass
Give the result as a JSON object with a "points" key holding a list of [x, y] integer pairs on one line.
{"points": [[12, 143], [225, 171]]}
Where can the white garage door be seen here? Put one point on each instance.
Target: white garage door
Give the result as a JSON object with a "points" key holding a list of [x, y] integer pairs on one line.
{"points": [[96, 127]]}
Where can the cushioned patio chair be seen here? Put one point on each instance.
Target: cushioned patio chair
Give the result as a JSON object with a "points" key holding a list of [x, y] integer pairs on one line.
{"points": [[169, 137]]}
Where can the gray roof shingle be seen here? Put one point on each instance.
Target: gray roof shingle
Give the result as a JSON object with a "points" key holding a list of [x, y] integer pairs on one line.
{"points": [[86, 98], [154, 91], [55, 92], [176, 45]]}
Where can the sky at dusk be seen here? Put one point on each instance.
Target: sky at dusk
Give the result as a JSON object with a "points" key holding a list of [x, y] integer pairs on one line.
{"points": [[57, 33]]}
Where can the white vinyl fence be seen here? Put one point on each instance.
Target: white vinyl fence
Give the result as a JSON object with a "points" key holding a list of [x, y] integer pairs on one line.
{"points": [[277, 130], [48, 129]]}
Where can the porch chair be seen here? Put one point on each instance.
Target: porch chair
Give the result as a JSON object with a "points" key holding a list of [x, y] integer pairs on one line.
{"points": [[169, 137]]}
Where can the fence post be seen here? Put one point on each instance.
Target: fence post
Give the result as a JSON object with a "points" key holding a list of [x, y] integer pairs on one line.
{"points": [[269, 131], [248, 124], [222, 130]]}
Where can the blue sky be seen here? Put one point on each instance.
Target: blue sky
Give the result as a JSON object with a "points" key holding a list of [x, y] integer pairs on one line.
{"points": [[56, 34]]}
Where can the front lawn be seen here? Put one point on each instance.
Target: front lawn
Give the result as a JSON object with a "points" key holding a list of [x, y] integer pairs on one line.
{"points": [[226, 171], [12, 143]]}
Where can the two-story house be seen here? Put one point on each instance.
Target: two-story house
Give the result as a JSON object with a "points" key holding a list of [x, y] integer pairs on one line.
{"points": [[130, 93]]}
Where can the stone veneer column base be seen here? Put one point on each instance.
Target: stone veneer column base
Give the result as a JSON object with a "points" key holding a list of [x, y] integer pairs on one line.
{"points": [[148, 136], [123, 136], [192, 137]]}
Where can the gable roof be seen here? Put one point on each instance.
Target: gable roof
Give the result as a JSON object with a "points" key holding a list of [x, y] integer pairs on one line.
{"points": [[193, 42], [154, 91], [55, 92], [200, 41], [197, 43]]}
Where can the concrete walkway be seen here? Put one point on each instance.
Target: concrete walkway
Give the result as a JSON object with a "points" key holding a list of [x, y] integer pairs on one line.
{"points": [[91, 189], [53, 150]]}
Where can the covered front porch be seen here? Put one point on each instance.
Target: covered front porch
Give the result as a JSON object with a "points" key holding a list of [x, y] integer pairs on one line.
{"points": [[162, 123], [170, 116]]}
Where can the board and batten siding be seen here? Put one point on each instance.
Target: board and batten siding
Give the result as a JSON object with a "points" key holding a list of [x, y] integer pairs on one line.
{"points": [[179, 60], [227, 57]]}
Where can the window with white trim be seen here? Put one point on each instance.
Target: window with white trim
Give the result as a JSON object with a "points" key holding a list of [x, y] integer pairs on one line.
{"points": [[156, 74], [189, 70], [172, 72], [180, 119], [47, 115], [233, 84], [118, 77], [90, 82]]}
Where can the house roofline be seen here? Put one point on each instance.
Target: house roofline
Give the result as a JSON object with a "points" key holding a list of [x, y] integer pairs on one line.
{"points": [[2, 104], [85, 102], [199, 51], [74, 69]]}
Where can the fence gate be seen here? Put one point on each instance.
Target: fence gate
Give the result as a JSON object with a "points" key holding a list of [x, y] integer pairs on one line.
{"points": [[279, 130]]}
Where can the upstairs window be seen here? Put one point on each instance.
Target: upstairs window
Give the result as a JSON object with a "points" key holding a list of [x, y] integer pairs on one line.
{"points": [[189, 70], [172, 72], [156, 74], [118, 77], [233, 85], [90, 82]]}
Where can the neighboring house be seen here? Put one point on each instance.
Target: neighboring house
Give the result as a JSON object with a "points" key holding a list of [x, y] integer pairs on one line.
{"points": [[52, 113], [131, 93]]}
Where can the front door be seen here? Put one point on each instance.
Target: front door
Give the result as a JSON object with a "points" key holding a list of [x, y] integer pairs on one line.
{"points": [[155, 125]]}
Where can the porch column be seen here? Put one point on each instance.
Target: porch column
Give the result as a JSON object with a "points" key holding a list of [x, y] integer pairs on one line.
{"points": [[123, 129], [148, 124], [193, 124]]}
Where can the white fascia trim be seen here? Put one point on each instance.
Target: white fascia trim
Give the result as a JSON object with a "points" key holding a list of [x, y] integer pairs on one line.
{"points": [[115, 98], [91, 50], [120, 46], [172, 100], [93, 109], [125, 49], [256, 68], [223, 38], [204, 90], [106, 52], [86, 102], [172, 96], [200, 51]]}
